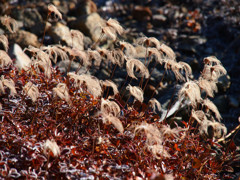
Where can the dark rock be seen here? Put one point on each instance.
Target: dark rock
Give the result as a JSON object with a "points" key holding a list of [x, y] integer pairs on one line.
{"points": [[158, 20], [24, 39]]}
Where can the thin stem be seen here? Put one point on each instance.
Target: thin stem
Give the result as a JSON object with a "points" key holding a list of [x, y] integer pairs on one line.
{"points": [[149, 76], [125, 89], [158, 84], [99, 39], [45, 28]]}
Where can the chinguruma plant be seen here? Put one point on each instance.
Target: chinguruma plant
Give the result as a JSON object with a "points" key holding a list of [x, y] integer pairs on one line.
{"points": [[55, 126]]}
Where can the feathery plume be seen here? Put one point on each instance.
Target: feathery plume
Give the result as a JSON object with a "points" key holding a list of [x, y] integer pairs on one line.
{"points": [[9, 83], [80, 54], [110, 107], [31, 90], [109, 118], [10, 23], [109, 32], [211, 106], [42, 62], [62, 91], [118, 56], [219, 70], [5, 60], [77, 34], [4, 41], [211, 60], [198, 115], [51, 148], [2, 91], [54, 10], [148, 42], [111, 84], [175, 67], [111, 28], [211, 129], [187, 69], [157, 54], [192, 91], [168, 131], [154, 139], [168, 51], [208, 86], [136, 91], [115, 25], [220, 130], [212, 73], [153, 103], [91, 82], [107, 55], [54, 52], [129, 49], [94, 55], [139, 67]]}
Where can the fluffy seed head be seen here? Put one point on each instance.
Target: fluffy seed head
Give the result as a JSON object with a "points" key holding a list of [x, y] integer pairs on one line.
{"points": [[136, 91], [109, 118], [157, 54], [5, 60], [211, 106], [154, 139], [135, 63], [54, 52], [62, 91], [128, 49], [9, 83], [198, 115], [191, 91], [94, 55], [168, 51], [10, 23], [153, 103], [208, 86], [92, 83], [115, 25], [211, 60], [110, 107], [31, 90], [148, 42], [111, 84], [51, 148], [4, 41]]}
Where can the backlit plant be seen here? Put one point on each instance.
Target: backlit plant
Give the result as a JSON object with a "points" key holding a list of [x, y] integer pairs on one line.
{"points": [[56, 126]]}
